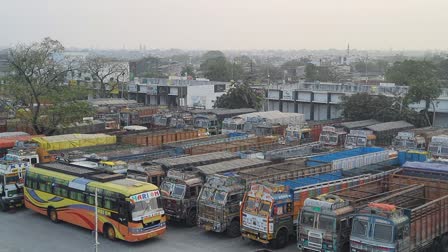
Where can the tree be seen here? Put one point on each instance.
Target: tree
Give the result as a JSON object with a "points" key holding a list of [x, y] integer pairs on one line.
{"points": [[311, 72], [36, 83], [240, 96], [188, 70], [363, 106], [421, 77], [321, 73], [106, 72]]}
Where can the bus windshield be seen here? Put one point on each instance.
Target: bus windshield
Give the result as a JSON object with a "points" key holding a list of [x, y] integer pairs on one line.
{"points": [[144, 207]]}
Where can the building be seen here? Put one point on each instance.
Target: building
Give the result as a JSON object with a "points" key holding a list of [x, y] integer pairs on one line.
{"points": [[176, 92]]}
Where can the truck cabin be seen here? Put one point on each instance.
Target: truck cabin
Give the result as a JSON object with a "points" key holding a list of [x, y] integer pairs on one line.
{"points": [[359, 138], [379, 227], [265, 200], [206, 121], [222, 189], [25, 152], [332, 136], [439, 146], [409, 141], [147, 172], [269, 130], [234, 124], [298, 134], [321, 220], [181, 184]]}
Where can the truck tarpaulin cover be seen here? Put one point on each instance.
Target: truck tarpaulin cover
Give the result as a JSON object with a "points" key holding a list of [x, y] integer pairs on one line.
{"points": [[71, 141]]}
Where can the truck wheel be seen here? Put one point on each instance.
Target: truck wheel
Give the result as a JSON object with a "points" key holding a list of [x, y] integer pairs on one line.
{"points": [[191, 218], [444, 243], [435, 246], [281, 240], [3, 206], [234, 229]]}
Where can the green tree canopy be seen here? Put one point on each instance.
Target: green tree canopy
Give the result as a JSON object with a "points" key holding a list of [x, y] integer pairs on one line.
{"points": [[36, 83], [241, 96]]}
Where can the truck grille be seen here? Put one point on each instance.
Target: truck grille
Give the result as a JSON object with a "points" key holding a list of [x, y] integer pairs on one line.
{"points": [[211, 213], [314, 240]]}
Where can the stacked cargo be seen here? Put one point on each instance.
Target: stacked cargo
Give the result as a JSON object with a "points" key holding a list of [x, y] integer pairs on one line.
{"points": [[350, 159], [158, 138], [233, 146]]}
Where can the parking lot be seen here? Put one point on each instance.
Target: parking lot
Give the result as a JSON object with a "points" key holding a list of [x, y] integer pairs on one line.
{"points": [[25, 230]]}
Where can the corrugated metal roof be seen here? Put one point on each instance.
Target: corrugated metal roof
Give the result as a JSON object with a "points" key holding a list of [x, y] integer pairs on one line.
{"points": [[390, 126], [359, 124], [208, 157], [220, 111], [231, 165]]}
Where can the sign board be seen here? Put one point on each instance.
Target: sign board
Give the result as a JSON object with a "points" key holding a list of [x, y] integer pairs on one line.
{"points": [[198, 101], [145, 196], [174, 91], [151, 90], [273, 94], [132, 88], [288, 95], [142, 89]]}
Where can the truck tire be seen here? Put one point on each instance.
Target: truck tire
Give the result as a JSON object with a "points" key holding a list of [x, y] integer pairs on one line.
{"points": [[191, 220], [3, 206], [444, 243], [281, 240], [435, 246], [233, 230]]}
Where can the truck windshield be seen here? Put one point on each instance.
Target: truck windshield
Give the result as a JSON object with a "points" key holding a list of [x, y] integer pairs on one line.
{"points": [[207, 193], [308, 219], [145, 207], [359, 227], [351, 140], [382, 232], [174, 190], [256, 207], [220, 197], [12, 179], [327, 223]]}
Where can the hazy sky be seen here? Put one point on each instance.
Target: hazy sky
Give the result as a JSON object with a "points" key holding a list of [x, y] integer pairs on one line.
{"points": [[229, 24]]}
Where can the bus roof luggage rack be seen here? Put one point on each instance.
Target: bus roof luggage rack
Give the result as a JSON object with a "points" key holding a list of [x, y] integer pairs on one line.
{"points": [[80, 171]]}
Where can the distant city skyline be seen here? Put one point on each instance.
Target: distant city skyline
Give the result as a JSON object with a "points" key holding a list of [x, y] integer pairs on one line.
{"points": [[229, 24]]}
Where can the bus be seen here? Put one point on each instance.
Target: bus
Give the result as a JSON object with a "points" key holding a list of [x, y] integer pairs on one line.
{"points": [[128, 209]]}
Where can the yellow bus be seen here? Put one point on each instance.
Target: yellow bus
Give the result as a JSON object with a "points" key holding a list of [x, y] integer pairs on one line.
{"points": [[129, 210]]}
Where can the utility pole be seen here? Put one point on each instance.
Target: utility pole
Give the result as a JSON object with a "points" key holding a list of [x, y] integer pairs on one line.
{"points": [[96, 220], [269, 84]]}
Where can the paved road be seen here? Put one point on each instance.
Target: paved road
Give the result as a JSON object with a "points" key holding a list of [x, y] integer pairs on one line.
{"points": [[25, 231]]}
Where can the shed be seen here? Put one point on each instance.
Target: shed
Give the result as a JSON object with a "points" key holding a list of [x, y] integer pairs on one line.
{"points": [[358, 124], [385, 132]]}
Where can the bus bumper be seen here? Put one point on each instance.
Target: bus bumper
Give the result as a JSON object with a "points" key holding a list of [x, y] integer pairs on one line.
{"points": [[136, 237]]}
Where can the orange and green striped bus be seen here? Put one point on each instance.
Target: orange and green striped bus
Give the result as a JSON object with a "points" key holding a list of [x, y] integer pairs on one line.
{"points": [[129, 210]]}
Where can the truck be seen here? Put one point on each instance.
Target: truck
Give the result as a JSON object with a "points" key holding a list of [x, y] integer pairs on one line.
{"points": [[12, 174], [180, 188], [332, 136], [154, 171], [412, 220], [208, 122], [359, 138], [439, 146], [408, 140], [269, 210], [325, 220], [218, 201], [299, 134]]}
